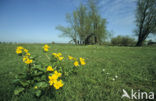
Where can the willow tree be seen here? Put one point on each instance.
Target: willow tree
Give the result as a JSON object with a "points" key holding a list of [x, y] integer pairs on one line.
{"points": [[145, 19], [85, 22]]}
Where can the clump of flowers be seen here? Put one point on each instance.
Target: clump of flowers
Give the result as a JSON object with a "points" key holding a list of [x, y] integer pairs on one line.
{"points": [[43, 78], [58, 56], [46, 48], [76, 61]]}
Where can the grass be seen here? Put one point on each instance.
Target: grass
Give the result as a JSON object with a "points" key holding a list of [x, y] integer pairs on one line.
{"points": [[134, 66]]}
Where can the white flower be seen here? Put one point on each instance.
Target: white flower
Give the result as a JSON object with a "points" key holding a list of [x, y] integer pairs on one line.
{"points": [[113, 79], [103, 70], [116, 76], [107, 73]]}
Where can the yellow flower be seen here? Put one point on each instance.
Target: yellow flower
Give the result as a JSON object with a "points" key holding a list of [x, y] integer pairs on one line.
{"points": [[82, 61], [60, 58], [76, 63], [28, 54], [70, 57], [58, 84], [52, 79], [35, 87], [54, 54], [59, 54], [49, 68], [20, 47], [28, 61], [45, 47], [25, 58], [58, 74], [25, 50], [18, 51]]}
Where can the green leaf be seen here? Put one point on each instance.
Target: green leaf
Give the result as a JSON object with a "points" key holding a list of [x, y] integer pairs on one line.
{"points": [[25, 83], [38, 93], [43, 77], [16, 81], [18, 90], [38, 67], [42, 85]]}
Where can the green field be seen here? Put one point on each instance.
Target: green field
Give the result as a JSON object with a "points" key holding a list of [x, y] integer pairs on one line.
{"points": [[134, 66]]}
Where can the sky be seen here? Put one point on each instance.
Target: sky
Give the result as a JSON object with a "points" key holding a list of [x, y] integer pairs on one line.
{"points": [[36, 20]]}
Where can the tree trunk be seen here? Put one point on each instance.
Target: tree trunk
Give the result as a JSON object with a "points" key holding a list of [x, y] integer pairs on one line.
{"points": [[139, 43], [142, 38]]}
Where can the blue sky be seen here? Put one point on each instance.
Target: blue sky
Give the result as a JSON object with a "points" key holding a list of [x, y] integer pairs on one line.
{"points": [[35, 20]]}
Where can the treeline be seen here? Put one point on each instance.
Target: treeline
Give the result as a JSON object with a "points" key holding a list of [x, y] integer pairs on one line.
{"points": [[123, 41], [86, 26]]}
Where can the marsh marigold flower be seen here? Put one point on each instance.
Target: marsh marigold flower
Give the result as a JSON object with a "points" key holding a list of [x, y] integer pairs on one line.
{"points": [[70, 57], [25, 50], [58, 74], [28, 61], [82, 61], [60, 58], [19, 50], [45, 47], [58, 84], [52, 79], [49, 68], [76, 63], [28, 54]]}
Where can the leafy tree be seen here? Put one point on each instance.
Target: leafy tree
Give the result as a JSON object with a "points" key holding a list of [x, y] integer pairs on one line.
{"points": [[85, 23], [68, 32], [145, 19]]}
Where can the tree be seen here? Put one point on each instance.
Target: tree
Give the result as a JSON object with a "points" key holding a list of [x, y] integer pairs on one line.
{"points": [[68, 32], [85, 24], [145, 19]]}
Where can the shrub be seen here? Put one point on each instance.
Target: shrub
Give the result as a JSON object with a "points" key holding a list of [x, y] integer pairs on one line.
{"points": [[123, 41]]}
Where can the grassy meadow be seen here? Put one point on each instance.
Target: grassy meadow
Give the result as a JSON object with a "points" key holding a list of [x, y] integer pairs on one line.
{"points": [[108, 70]]}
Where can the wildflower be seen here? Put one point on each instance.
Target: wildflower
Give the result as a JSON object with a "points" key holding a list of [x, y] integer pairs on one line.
{"points": [[18, 51], [58, 84], [58, 74], [28, 61], [28, 54], [20, 47], [82, 61], [54, 54], [52, 79], [35, 87], [107, 73], [59, 54], [113, 79], [25, 58], [70, 57], [49, 68], [60, 58], [76, 63], [46, 48], [103, 70], [116, 76], [25, 50]]}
